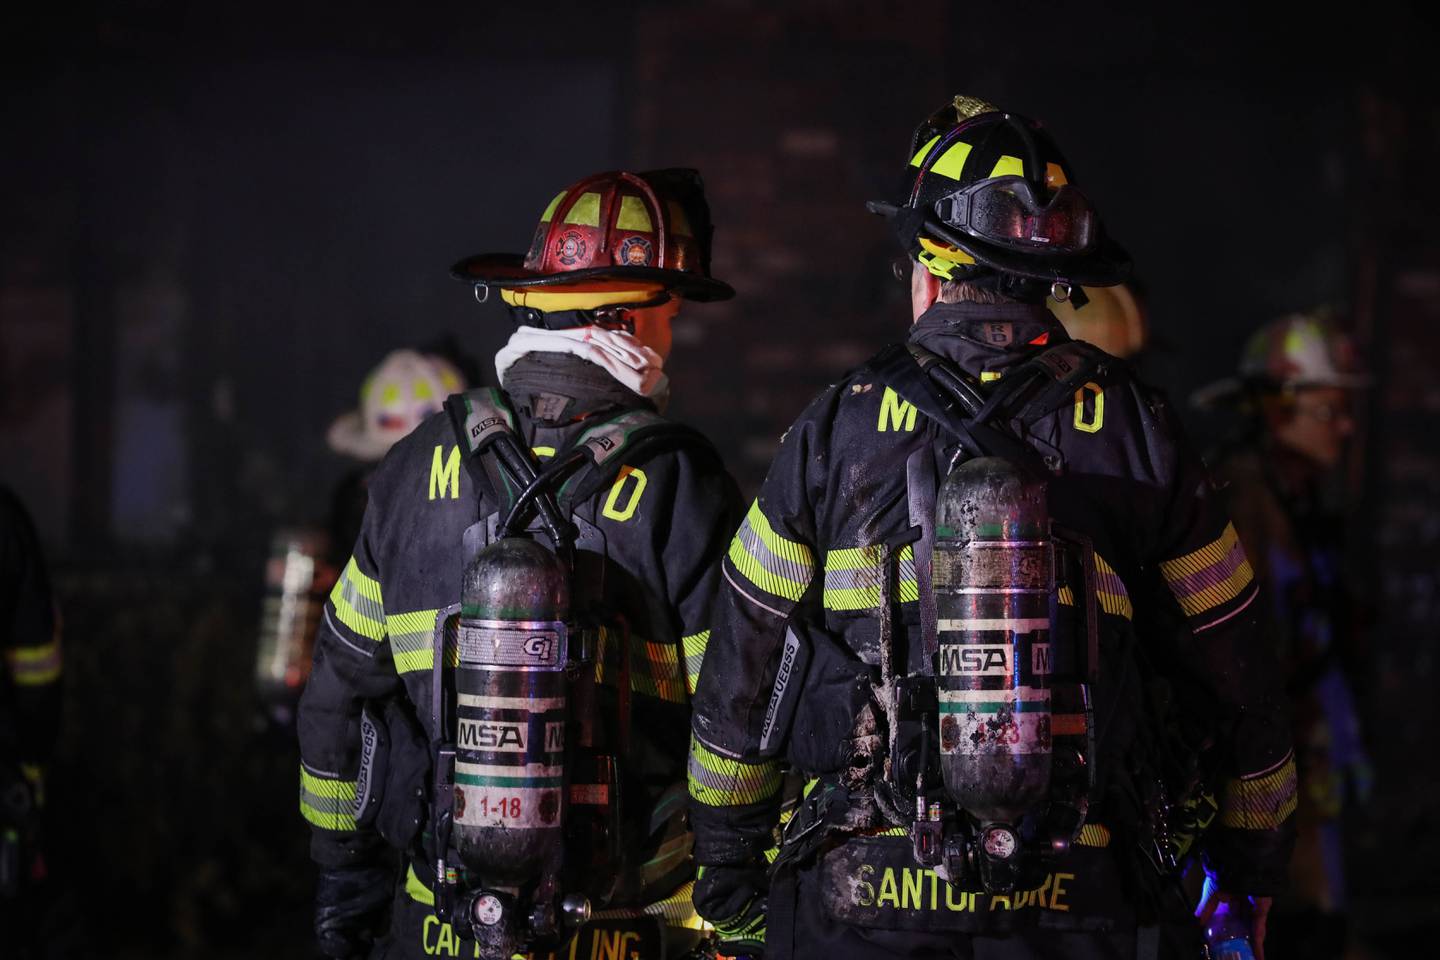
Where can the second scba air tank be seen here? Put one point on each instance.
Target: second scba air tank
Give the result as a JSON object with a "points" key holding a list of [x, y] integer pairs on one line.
{"points": [[994, 576]]}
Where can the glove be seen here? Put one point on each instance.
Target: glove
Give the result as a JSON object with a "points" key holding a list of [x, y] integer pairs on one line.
{"points": [[350, 907], [733, 900]]}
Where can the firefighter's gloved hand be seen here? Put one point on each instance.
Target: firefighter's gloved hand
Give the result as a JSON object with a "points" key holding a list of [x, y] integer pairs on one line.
{"points": [[732, 898], [350, 905]]}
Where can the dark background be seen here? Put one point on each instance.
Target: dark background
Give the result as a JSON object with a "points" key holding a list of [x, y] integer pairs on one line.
{"points": [[214, 219]]}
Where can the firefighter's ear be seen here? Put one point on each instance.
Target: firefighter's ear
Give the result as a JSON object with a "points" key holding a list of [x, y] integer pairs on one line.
{"points": [[924, 290]]}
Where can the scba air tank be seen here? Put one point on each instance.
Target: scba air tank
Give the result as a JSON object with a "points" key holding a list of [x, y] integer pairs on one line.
{"points": [[510, 706], [993, 575]]}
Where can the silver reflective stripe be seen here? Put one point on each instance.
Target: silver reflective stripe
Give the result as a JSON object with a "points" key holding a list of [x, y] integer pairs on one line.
{"points": [[782, 681]]}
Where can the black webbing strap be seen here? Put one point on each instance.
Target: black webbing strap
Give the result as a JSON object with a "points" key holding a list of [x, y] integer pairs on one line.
{"points": [[619, 442], [897, 367], [479, 418], [1043, 383]]}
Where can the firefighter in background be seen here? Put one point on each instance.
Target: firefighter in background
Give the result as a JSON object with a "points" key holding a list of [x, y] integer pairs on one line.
{"points": [[1112, 318], [396, 397], [613, 259], [829, 631], [29, 722], [1294, 386]]}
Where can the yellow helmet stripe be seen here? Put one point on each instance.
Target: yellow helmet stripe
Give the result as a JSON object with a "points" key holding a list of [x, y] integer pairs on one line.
{"points": [[556, 299], [1008, 166], [919, 157], [550, 210], [634, 216], [952, 164], [586, 212]]}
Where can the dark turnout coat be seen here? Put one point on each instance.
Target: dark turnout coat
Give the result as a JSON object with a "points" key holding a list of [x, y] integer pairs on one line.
{"points": [[1176, 599], [664, 519]]}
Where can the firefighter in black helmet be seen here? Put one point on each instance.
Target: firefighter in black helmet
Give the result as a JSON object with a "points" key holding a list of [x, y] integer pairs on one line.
{"points": [[1092, 650], [637, 508]]}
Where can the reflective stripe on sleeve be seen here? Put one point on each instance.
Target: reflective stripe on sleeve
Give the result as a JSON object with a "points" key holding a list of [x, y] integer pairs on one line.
{"points": [[357, 603], [1261, 801], [1206, 578], [694, 656], [853, 577], [412, 639], [34, 666], [719, 781], [654, 667], [780, 567], [1110, 592], [327, 802]]}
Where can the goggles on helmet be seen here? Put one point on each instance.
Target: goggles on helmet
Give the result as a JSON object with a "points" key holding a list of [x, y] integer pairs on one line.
{"points": [[1005, 211]]}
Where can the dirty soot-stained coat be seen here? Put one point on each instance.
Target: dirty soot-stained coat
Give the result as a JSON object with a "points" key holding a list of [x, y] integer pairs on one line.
{"points": [[1173, 584]]}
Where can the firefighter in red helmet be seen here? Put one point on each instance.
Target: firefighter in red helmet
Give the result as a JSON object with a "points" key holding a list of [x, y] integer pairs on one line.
{"points": [[572, 459]]}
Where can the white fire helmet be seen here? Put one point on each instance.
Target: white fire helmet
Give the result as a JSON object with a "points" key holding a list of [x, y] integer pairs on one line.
{"points": [[1296, 351], [401, 392]]}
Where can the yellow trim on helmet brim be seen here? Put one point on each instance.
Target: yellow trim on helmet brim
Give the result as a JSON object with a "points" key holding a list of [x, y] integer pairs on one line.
{"points": [[580, 296], [945, 252]]}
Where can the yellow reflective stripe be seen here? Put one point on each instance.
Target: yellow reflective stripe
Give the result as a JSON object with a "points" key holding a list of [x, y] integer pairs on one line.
{"points": [[694, 646], [586, 212], [751, 570], [1261, 802], [659, 675], [776, 565], [1008, 166], [415, 660], [550, 210], [1110, 592], [544, 299], [654, 667], [719, 781], [543, 451], [325, 787], [853, 577], [417, 890], [868, 598], [325, 819], [358, 604], [952, 164], [412, 637], [919, 157], [35, 666], [1094, 835], [327, 803], [634, 216], [676, 910], [1204, 579], [789, 550]]}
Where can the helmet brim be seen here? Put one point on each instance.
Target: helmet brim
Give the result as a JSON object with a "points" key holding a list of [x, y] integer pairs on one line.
{"points": [[508, 270], [348, 437], [1231, 390]]}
